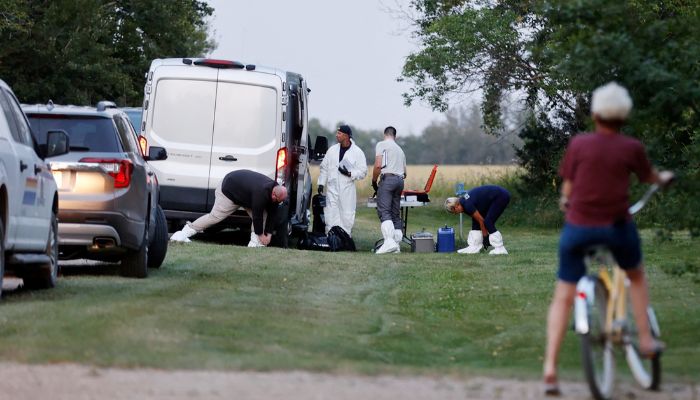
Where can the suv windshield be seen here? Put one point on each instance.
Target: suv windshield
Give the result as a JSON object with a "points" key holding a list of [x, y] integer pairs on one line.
{"points": [[87, 133]]}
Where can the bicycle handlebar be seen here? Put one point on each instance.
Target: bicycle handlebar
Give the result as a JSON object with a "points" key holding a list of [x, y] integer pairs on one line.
{"points": [[666, 178], [636, 207]]}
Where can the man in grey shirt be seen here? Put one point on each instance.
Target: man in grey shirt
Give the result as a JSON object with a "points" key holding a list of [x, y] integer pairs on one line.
{"points": [[390, 164]]}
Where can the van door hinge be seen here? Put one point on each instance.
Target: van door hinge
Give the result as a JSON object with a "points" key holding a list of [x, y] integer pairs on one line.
{"points": [[285, 99]]}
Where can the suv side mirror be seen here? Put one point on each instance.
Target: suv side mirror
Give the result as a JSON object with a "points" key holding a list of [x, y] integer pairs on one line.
{"points": [[320, 147], [156, 153], [57, 143]]}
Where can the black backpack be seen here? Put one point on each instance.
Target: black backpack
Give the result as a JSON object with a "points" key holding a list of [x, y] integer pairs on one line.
{"points": [[339, 240]]}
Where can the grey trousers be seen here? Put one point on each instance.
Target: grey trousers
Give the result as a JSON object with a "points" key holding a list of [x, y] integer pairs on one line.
{"points": [[389, 199]]}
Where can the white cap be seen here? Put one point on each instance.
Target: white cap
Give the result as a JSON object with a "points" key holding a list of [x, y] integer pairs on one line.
{"points": [[611, 102]]}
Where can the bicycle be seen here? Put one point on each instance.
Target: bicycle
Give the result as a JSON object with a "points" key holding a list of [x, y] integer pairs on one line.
{"points": [[602, 320]]}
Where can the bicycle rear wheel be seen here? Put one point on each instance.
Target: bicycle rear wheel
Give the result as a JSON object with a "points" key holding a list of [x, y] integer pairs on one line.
{"points": [[646, 371], [596, 347]]}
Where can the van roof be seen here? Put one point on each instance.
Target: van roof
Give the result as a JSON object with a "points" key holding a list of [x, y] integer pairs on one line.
{"points": [[188, 62]]}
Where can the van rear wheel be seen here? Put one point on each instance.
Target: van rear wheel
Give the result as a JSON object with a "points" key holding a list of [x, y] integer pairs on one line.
{"points": [[283, 232]]}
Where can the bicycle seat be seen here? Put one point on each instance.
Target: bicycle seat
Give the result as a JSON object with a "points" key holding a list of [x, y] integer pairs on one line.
{"points": [[599, 254]]}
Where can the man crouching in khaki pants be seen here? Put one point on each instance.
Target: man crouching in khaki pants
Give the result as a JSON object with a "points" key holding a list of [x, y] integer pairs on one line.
{"points": [[255, 192]]}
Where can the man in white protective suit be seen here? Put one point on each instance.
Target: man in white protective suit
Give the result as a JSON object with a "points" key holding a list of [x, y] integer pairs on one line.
{"points": [[343, 164]]}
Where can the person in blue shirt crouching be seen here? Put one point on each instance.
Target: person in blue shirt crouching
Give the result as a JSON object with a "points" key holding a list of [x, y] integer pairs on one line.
{"points": [[484, 204]]}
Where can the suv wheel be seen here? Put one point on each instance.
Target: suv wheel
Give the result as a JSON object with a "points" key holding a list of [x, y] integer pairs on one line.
{"points": [[2, 254], [47, 274], [135, 262], [159, 244]]}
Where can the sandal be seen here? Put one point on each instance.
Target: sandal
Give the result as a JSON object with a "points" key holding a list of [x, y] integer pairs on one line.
{"points": [[551, 386]]}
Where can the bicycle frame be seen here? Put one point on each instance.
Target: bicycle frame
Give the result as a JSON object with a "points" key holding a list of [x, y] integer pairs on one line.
{"points": [[616, 313], [585, 288]]}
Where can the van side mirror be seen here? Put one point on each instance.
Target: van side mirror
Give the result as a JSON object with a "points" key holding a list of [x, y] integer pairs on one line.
{"points": [[156, 153], [57, 143], [320, 147]]}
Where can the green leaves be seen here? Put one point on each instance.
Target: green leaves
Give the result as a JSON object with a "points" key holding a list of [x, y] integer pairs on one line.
{"points": [[553, 54], [83, 51]]}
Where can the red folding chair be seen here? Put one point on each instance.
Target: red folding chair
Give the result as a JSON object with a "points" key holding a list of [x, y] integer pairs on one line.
{"points": [[422, 195]]}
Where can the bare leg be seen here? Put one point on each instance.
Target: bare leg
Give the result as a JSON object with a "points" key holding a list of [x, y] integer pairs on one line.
{"points": [[557, 320], [639, 294]]}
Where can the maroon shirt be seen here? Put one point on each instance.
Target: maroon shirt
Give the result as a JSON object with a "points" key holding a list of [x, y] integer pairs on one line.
{"points": [[599, 167]]}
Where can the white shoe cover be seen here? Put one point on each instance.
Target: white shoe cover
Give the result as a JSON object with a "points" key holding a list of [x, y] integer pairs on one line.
{"points": [[474, 243], [398, 238], [389, 245], [496, 240], [470, 249]]}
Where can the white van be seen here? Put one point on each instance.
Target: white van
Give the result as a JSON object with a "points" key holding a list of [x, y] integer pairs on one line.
{"points": [[217, 116]]}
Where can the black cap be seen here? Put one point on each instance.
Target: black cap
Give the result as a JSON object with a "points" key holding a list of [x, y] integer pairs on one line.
{"points": [[345, 129]]}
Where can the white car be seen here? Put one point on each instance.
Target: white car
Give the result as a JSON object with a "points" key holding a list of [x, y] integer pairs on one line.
{"points": [[28, 197]]}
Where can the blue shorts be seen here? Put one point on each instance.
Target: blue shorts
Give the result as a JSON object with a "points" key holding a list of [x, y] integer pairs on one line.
{"points": [[622, 239]]}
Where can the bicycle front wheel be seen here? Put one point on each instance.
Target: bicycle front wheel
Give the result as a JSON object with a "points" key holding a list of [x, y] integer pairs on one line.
{"points": [[596, 346], [646, 371]]}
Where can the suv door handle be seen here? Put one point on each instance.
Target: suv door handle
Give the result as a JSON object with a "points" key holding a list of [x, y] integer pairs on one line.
{"points": [[22, 166], [37, 169], [228, 158]]}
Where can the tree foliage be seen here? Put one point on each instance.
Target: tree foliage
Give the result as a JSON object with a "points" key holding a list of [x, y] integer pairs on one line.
{"points": [[554, 54], [82, 51], [13, 19]]}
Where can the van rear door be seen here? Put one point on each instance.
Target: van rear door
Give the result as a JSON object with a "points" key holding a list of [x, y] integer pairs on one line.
{"points": [[182, 115], [247, 125], [303, 177]]}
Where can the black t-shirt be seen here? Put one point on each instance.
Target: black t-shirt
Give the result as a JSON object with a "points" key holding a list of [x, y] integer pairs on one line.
{"points": [[252, 190], [342, 152]]}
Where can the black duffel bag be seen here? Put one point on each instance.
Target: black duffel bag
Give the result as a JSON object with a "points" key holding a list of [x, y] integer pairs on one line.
{"points": [[336, 240]]}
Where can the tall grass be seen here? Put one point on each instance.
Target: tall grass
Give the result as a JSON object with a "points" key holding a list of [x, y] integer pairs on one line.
{"points": [[529, 207], [445, 180], [525, 209]]}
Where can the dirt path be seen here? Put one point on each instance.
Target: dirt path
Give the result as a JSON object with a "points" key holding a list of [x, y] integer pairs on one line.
{"points": [[77, 382]]}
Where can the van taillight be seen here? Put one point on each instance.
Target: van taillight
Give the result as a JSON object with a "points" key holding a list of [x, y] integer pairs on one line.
{"points": [[280, 175], [118, 169], [143, 144]]}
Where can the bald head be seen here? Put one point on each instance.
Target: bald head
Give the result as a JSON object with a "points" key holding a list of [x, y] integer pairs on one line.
{"points": [[279, 194]]}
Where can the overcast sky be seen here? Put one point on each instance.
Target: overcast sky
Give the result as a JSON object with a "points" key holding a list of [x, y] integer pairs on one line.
{"points": [[350, 53]]}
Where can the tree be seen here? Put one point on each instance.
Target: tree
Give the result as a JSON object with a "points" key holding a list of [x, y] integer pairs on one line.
{"points": [[82, 51], [13, 17], [555, 53]]}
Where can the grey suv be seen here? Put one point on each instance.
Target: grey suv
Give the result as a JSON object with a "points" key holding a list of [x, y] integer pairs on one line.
{"points": [[108, 194]]}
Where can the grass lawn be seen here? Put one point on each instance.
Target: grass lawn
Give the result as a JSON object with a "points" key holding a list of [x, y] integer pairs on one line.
{"points": [[222, 306]]}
